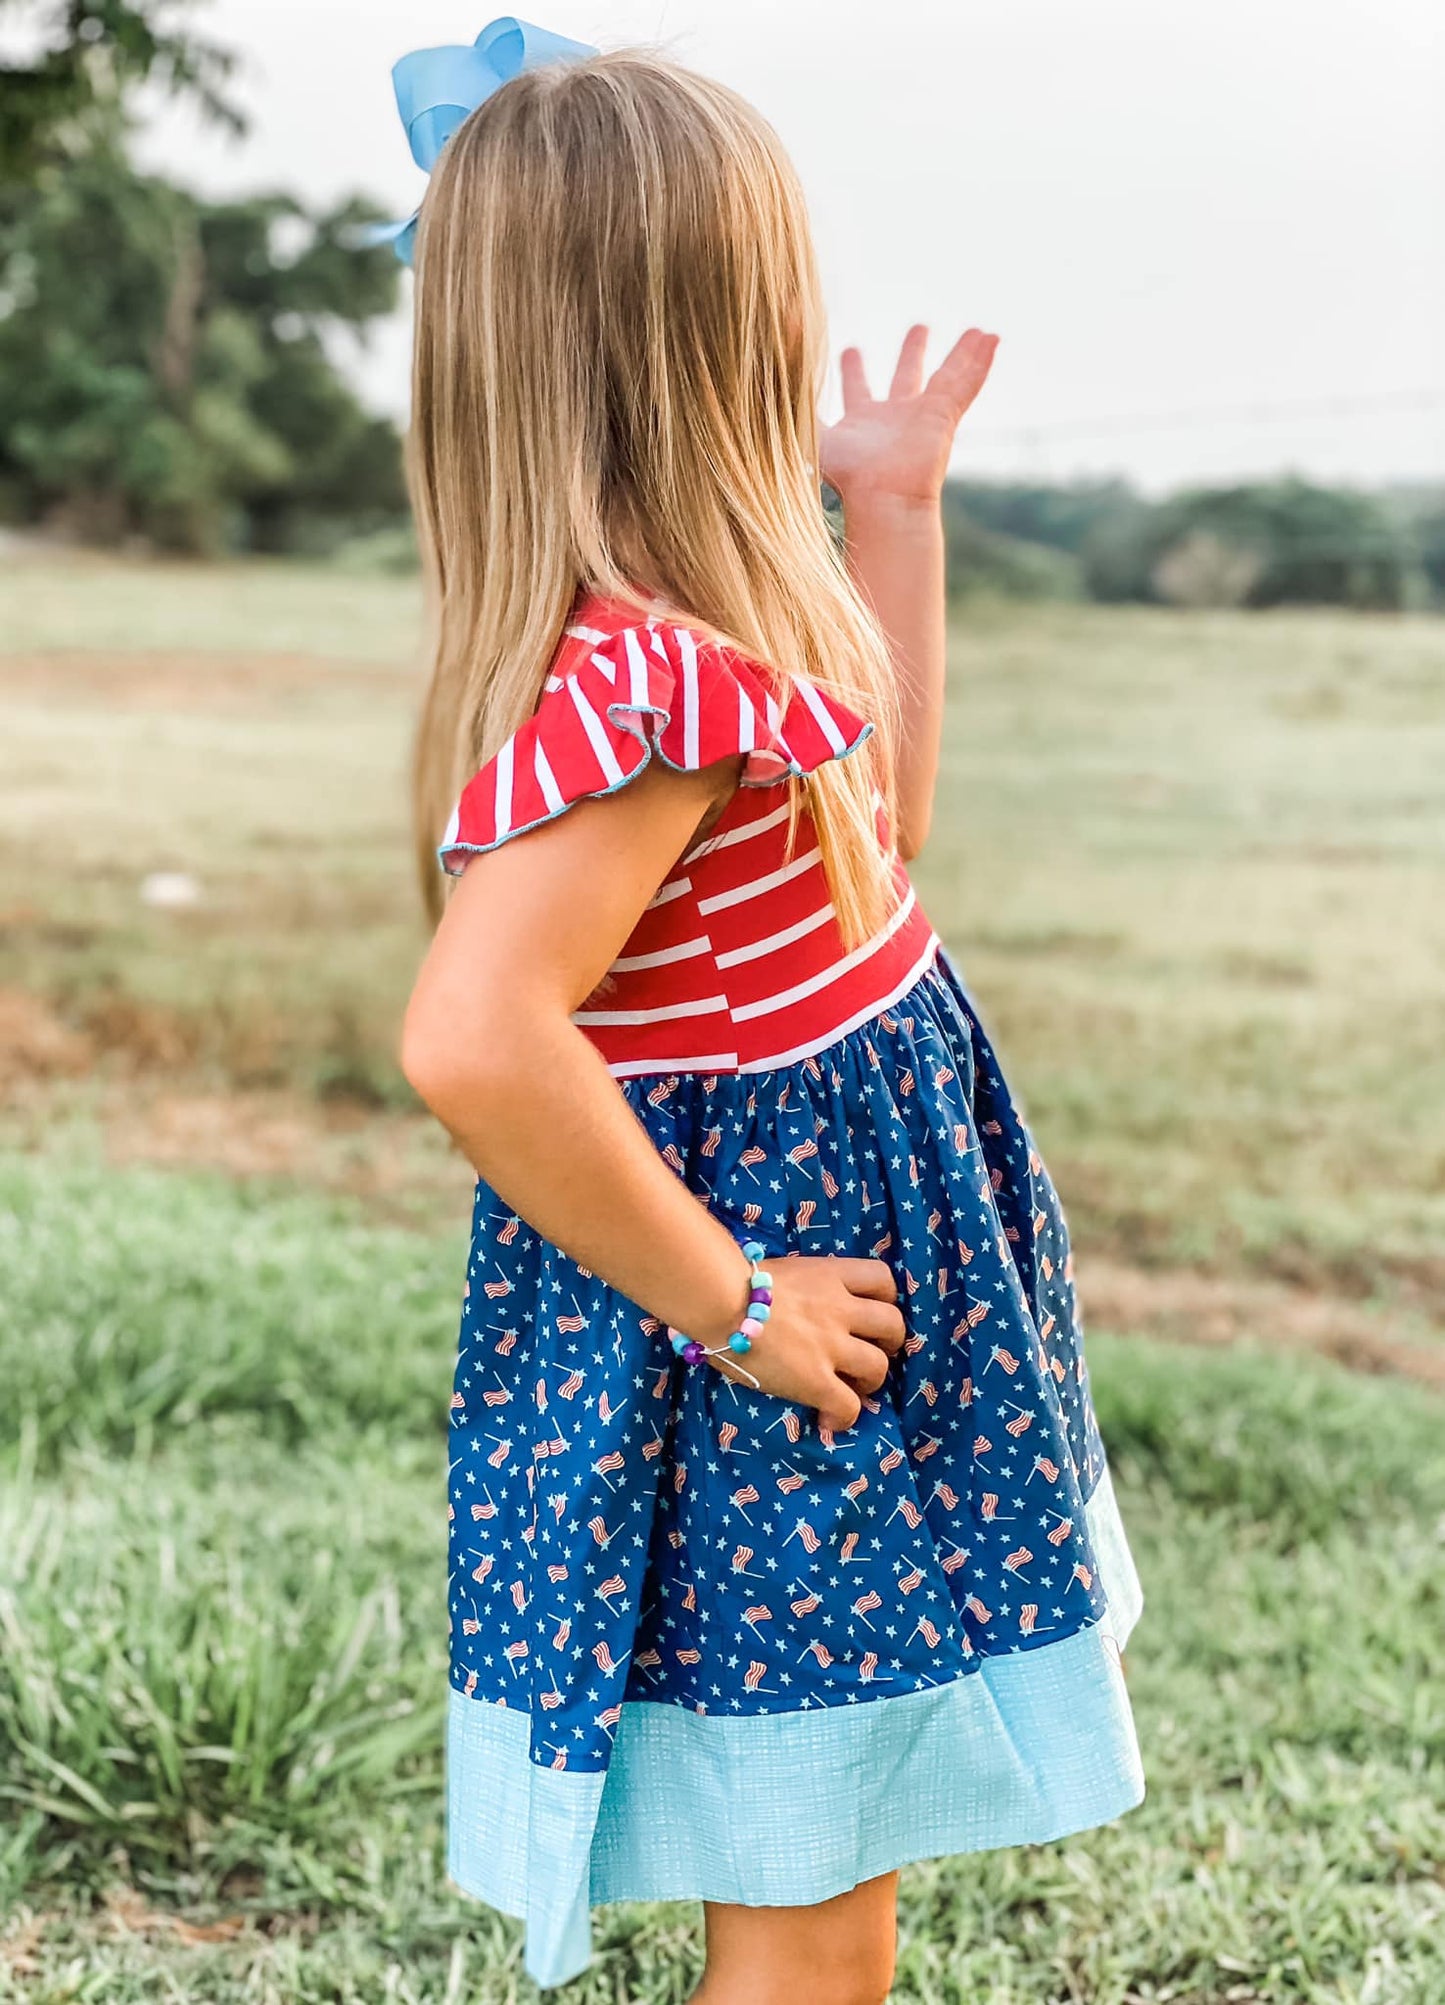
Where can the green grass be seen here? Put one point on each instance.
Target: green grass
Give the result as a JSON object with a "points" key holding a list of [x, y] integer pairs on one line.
{"points": [[139, 1306], [274, 775], [222, 1670], [82, 602], [1193, 866]]}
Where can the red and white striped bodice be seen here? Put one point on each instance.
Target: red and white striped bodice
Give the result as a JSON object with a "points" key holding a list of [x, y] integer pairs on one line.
{"points": [[737, 965]]}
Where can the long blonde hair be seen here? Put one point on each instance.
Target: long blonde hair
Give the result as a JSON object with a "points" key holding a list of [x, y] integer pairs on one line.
{"points": [[619, 346]]}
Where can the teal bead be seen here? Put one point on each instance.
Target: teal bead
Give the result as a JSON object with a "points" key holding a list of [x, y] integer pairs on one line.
{"points": [[762, 1283], [760, 1312], [679, 1343], [752, 1250], [739, 1343]]}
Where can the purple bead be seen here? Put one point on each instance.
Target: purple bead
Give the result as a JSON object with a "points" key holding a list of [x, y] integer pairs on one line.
{"points": [[763, 1295], [693, 1354]]}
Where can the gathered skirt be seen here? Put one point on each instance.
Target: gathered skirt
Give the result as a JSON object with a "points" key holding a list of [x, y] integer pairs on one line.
{"points": [[700, 1650]]}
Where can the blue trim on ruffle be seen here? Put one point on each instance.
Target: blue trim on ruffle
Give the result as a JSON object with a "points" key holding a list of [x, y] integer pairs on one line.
{"points": [[792, 1808], [793, 769]]}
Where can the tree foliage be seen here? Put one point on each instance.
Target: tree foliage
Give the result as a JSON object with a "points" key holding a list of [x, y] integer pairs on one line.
{"points": [[1059, 517], [90, 53], [166, 367], [1308, 545], [1285, 542], [996, 551]]}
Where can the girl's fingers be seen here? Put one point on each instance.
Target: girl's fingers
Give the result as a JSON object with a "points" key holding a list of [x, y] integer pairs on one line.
{"points": [[867, 1277], [841, 1409], [964, 369], [908, 376], [877, 1323], [865, 1366], [855, 380]]}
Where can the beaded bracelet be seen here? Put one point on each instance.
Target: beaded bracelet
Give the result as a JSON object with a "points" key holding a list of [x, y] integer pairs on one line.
{"points": [[759, 1309]]}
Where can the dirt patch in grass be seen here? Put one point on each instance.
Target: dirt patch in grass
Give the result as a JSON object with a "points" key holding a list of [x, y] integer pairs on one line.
{"points": [[185, 681], [39, 1043], [1186, 1306], [399, 1164], [124, 1916], [395, 1161], [1419, 1280], [388, 1160], [36, 1044], [128, 1912]]}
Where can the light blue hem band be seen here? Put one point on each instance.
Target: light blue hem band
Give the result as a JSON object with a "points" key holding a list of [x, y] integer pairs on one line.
{"points": [[785, 1809]]}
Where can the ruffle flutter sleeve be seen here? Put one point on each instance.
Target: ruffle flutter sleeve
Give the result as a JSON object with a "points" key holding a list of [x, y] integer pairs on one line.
{"points": [[653, 691]]}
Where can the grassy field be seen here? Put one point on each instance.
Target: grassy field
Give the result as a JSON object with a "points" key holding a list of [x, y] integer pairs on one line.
{"points": [[1193, 868], [1191, 864], [220, 1590]]}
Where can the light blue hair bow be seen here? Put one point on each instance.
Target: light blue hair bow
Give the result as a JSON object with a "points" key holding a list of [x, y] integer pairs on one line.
{"points": [[437, 88]]}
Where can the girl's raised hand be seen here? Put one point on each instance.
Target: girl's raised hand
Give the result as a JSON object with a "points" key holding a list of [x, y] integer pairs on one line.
{"points": [[899, 446], [834, 1328]]}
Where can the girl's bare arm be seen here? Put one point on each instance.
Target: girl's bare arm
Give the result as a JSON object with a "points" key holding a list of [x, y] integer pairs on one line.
{"points": [[888, 457], [489, 1044]]}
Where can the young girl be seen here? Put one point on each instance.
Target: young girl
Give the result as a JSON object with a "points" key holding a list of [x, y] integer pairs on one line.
{"points": [[783, 1549]]}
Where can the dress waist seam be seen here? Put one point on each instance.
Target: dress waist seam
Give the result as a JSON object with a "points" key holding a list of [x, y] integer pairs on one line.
{"points": [[735, 1063]]}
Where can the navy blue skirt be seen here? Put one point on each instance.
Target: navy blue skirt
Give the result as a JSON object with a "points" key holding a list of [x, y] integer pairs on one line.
{"points": [[702, 1650]]}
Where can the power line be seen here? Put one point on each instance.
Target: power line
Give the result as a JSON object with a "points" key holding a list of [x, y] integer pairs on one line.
{"points": [[1205, 416]]}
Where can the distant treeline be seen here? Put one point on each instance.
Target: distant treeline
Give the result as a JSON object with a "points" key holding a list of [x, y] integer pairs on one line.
{"points": [[171, 374], [1274, 543]]}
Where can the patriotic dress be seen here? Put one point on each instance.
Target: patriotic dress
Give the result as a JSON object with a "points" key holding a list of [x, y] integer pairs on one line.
{"points": [[701, 1649]]}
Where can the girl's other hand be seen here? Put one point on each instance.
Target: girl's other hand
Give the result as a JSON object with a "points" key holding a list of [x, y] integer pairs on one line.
{"points": [[834, 1329], [898, 447]]}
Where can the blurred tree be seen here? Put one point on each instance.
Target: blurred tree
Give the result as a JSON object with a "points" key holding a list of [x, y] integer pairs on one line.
{"points": [[1430, 540], [985, 559], [165, 368], [1063, 518], [89, 53], [1026, 540], [1274, 543], [1120, 554], [1420, 511], [1304, 545], [1201, 569]]}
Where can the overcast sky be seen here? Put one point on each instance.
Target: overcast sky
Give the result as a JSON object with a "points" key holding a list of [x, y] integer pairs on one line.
{"points": [[1212, 237]]}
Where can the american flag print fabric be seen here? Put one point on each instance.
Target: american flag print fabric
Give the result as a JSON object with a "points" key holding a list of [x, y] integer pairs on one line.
{"points": [[624, 1530], [629, 1537]]}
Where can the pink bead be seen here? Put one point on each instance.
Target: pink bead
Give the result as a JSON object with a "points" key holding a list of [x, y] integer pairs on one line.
{"points": [[751, 1328]]}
